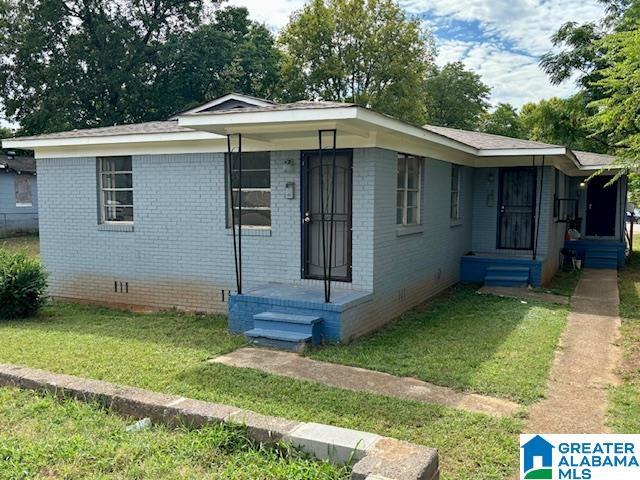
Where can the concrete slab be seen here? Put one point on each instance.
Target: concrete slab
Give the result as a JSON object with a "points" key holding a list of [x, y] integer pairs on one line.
{"points": [[585, 365], [360, 379], [340, 445], [525, 294], [263, 428], [390, 458]]}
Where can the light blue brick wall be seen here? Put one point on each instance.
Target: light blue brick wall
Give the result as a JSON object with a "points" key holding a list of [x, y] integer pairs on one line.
{"points": [[411, 268], [179, 253], [13, 218]]}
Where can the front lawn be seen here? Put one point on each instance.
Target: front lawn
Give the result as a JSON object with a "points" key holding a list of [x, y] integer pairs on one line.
{"points": [[28, 243], [624, 404], [41, 437], [167, 352], [563, 283], [491, 345]]}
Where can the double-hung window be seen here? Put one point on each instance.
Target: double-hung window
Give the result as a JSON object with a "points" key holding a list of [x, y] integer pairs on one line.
{"points": [[255, 210], [408, 190], [455, 193], [116, 189]]}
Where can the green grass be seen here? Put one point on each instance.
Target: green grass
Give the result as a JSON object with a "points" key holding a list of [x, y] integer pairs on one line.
{"points": [[41, 437], [29, 243], [563, 283], [166, 352], [486, 344], [624, 400]]}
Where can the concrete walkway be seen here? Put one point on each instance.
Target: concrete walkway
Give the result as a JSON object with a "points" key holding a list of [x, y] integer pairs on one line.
{"points": [[586, 362], [359, 379]]}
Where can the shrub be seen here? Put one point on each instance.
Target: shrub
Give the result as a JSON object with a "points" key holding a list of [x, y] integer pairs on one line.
{"points": [[23, 285]]}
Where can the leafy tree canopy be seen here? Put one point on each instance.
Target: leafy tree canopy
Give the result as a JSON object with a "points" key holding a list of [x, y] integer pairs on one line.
{"points": [[504, 120], [455, 97], [363, 51], [84, 63]]}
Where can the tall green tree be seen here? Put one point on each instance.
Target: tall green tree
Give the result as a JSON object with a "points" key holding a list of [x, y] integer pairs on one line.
{"points": [[231, 53], [368, 52], [504, 120], [562, 121], [76, 63], [456, 97]]}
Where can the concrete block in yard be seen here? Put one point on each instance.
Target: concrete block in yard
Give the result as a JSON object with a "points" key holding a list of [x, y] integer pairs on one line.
{"points": [[339, 445], [397, 460], [262, 428], [136, 402], [197, 412]]}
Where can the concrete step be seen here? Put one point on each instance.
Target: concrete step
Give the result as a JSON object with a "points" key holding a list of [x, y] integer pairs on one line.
{"points": [[506, 281], [280, 339], [610, 263], [286, 322], [602, 254], [499, 269]]}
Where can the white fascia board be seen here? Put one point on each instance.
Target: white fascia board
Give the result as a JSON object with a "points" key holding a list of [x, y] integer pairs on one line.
{"points": [[31, 144], [521, 152]]}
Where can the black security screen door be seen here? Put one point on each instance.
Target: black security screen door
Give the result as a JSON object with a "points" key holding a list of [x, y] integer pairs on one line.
{"points": [[312, 215], [601, 207], [516, 214]]}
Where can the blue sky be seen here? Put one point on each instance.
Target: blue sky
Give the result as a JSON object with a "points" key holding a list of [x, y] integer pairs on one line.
{"points": [[499, 39]]}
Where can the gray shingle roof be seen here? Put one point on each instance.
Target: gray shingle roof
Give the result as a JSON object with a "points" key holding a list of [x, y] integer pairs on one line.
{"points": [[588, 159], [483, 141], [18, 164], [146, 127]]}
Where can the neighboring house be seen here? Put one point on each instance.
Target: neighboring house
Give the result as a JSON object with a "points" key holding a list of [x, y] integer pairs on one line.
{"points": [[141, 214], [18, 195]]}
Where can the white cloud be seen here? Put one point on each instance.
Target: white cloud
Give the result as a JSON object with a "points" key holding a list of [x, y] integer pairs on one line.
{"points": [[274, 13], [514, 77], [528, 24]]}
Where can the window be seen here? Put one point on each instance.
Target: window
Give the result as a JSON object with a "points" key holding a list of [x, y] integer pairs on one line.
{"points": [[408, 190], [116, 189], [23, 191], [256, 190], [455, 193]]}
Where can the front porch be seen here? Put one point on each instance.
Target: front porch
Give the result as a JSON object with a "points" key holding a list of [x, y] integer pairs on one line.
{"points": [[292, 315], [597, 253]]}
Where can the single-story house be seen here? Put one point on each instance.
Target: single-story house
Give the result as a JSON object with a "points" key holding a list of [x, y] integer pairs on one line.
{"points": [[18, 195], [142, 215]]}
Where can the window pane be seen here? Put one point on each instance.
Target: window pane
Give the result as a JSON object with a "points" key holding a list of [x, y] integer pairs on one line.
{"points": [[412, 199], [116, 164], [259, 218], [260, 198], [118, 197], [120, 180], [400, 199], [412, 166], [252, 161], [118, 214], [251, 179], [399, 218], [412, 215], [455, 175], [401, 172]]}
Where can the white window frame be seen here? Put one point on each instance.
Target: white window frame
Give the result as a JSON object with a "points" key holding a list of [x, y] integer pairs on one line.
{"points": [[402, 157], [228, 190], [102, 190], [455, 217]]}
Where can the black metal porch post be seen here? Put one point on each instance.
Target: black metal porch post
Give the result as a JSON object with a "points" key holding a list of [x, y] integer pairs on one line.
{"points": [[237, 238]]}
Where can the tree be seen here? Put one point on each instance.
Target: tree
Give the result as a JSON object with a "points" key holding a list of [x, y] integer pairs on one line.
{"points": [[230, 54], [504, 120], [363, 51], [562, 121], [78, 63], [617, 113], [455, 97]]}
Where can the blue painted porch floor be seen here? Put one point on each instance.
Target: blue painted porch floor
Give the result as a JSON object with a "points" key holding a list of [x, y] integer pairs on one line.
{"points": [[311, 294]]}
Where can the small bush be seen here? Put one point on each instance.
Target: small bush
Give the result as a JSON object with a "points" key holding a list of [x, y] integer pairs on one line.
{"points": [[23, 285]]}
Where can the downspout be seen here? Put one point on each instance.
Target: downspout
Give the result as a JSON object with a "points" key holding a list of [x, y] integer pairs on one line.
{"points": [[537, 226]]}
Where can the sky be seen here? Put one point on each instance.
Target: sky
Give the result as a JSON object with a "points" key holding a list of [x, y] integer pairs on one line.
{"points": [[501, 40]]}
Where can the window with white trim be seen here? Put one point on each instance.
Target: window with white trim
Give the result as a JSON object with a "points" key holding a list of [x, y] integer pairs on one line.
{"points": [[256, 189], [454, 213], [408, 190], [116, 189]]}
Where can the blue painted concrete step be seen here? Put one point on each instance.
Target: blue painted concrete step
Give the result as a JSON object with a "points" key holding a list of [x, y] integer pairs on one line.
{"points": [[282, 340], [287, 317], [601, 258], [506, 281]]}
